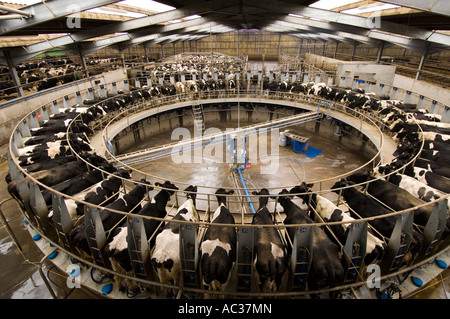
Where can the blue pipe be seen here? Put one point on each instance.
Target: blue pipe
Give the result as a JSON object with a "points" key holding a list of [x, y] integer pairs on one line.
{"points": [[245, 189], [239, 169], [268, 128]]}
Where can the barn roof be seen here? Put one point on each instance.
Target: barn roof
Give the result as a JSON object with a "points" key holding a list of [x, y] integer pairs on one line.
{"points": [[419, 25]]}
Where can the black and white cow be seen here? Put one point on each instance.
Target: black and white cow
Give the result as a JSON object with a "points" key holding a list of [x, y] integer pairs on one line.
{"points": [[102, 193], [126, 203], [57, 126], [192, 87], [117, 249], [326, 268], [59, 172], [431, 166], [35, 140], [366, 206], [270, 251], [429, 178], [166, 258], [331, 213], [218, 248], [46, 151], [394, 196], [404, 126], [410, 184]]}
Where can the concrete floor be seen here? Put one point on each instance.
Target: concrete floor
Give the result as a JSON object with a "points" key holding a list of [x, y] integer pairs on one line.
{"points": [[276, 172]]}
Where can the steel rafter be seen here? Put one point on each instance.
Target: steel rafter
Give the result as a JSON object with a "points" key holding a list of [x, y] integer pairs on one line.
{"points": [[351, 20], [125, 26], [441, 7], [49, 10]]}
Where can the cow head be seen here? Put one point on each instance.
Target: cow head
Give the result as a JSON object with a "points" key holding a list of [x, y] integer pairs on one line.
{"points": [[264, 198], [168, 187], [358, 178], [302, 188], [341, 184], [221, 195], [147, 184], [283, 196], [191, 192]]}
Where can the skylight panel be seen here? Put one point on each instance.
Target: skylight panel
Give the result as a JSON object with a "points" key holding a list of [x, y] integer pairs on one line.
{"points": [[330, 4], [371, 8], [147, 4]]}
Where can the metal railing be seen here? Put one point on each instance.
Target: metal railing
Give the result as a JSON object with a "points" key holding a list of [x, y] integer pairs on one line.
{"points": [[208, 198]]}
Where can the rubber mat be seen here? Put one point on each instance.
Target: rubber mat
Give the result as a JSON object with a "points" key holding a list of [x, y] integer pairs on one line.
{"points": [[311, 152]]}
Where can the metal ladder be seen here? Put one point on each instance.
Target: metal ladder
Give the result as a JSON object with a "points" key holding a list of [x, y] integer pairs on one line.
{"points": [[199, 123]]}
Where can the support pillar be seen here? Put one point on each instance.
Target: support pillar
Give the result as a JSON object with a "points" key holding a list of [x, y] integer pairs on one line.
{"points": [[237, 42], [380, 52], [300, 44], [83, 63], [353, 51], [421, 63], [123, 59], [14, 75], [335, 51], [146, 53], [279, 44]]}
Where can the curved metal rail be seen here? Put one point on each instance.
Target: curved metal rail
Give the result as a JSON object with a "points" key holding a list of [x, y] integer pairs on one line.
{"points": [[23, 177]]}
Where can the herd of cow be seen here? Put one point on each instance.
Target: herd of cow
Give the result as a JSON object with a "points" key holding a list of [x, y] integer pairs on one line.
{"points": [[45, 74], [47, 157]]}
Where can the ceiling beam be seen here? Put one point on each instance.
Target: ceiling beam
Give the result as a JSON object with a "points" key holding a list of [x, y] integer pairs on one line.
{"points": [[369, 23], [49, 10], [441, 7], [124, 26]]}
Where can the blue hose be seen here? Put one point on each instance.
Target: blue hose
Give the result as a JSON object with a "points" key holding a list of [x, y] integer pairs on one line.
{"points": [[245, 189]]}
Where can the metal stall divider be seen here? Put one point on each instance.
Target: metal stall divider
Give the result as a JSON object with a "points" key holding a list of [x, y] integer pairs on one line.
{"points": [[40, 209], [301, 258], [95, 235], [189, 255], [354, 250], [244, 259], [434, 228], [138, 249], [62, 221], [398, 244]]}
